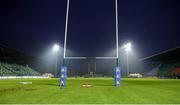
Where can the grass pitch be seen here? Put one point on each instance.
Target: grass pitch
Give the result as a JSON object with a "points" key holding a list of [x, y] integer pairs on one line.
{"points": [[131, 91]]}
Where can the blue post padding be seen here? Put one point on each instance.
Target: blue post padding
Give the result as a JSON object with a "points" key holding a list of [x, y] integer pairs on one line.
{"points": [[63, 75], [117, 76]]}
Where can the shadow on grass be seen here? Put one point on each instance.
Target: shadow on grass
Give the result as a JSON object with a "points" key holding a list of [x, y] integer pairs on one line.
{"points": [[14, 89], [29, 89], [52, 84], [103, 85], [94, 84]]}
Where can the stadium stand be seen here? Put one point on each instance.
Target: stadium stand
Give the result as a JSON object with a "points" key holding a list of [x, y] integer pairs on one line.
{"points": [[16, 63], [153, 72], [169, 63], [13, 56], [16, 70]]}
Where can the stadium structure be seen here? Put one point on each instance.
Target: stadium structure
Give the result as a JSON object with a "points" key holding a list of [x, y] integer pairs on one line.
{"points": [[16, 63], [168, 64]]}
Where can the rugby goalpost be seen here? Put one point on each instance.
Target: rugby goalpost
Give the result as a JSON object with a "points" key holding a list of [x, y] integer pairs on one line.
{"points": [[117, 71]]}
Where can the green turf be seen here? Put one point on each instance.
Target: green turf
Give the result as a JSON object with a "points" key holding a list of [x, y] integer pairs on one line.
{"points": [[132, 91]]}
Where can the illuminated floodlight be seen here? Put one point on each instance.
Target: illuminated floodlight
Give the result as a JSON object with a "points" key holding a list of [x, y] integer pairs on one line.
{"points": [[56, 47], [127, 47]]}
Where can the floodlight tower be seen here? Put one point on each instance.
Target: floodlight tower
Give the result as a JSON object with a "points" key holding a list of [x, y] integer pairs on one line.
{"points": [[127, 48], [56, 50]]}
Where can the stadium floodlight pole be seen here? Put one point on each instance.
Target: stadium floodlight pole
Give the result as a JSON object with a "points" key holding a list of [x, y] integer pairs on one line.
{"points": [[95, 67], [127, 49], [127, 60], [56, 50]]}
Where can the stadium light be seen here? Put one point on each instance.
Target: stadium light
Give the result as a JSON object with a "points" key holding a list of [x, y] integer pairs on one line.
{"points": [[127, 48], [56, 47]]}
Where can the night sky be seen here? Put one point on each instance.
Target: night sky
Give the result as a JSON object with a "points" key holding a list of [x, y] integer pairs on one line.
{"points": [[33, 25]]}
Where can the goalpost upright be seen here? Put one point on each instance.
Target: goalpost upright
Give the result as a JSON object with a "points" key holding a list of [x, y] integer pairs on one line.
{"points": [[117, 73]]}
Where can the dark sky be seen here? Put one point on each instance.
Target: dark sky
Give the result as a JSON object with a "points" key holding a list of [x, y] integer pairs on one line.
{"points": [[33, 25]]}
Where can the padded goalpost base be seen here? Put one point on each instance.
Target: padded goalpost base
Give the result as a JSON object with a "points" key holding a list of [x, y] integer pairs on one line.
{"points": [[117, 76], [63, 76]]}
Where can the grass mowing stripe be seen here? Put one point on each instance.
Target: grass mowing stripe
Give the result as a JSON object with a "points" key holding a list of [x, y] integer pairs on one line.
{"points": [[131, 91]]}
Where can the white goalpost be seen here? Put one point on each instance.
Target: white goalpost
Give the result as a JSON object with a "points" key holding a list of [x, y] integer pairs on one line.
{"points": [[117, 69], [66, 33]]}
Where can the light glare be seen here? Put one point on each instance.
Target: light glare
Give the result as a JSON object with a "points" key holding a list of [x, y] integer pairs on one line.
{"points": [[127, 47], [56, 47]]}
